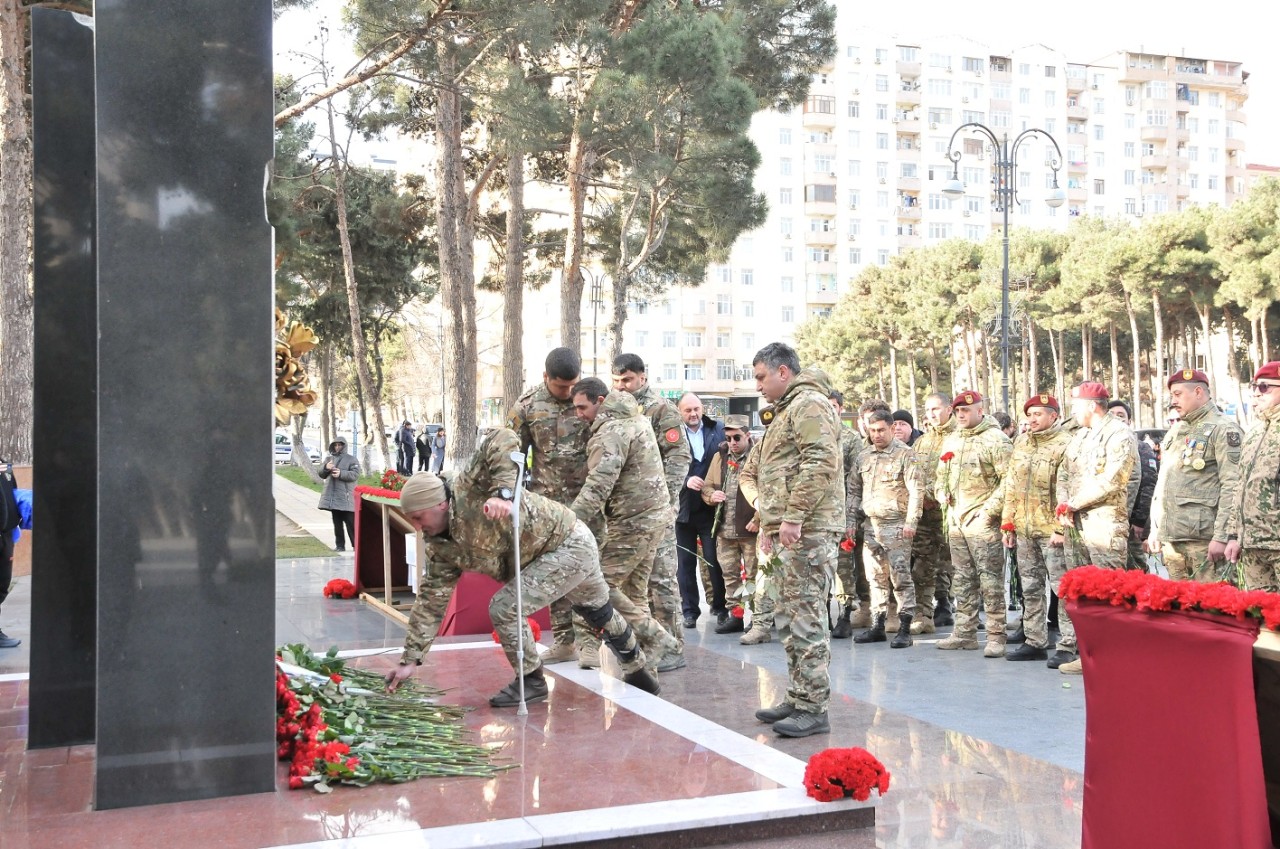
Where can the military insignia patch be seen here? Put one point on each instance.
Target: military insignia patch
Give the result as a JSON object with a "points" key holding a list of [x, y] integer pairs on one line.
{"points": [[1044, 399], [1187, 374], [672, 435], [1233, 439], [766, 415], [968, 399]]}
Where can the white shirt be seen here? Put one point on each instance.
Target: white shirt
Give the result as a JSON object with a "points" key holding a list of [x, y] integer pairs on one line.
{"points": [[695, 442]]}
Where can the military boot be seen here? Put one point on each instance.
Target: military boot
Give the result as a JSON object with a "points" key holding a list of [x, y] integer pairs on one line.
{"points": [[942, 612], [535, 690], [589, 657], [874, 634], [923, 625], [644, 679], [802, 723], [560, 653], [1018, 636], [861, 617], [756, 635], [903, 638], [843, 629]]}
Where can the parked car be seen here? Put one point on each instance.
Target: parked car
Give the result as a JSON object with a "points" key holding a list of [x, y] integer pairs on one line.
{"points": [[284, 449]]}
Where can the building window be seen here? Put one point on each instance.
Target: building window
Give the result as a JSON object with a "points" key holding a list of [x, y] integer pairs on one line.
{"points": [[855, 256], [784, 166], [1099, 187], [787, 254], [1130, 206], [784, 135], [939, 230], [746, 277], [788, 315], [882, 82], [1050, 98], [669, 372], [693, 371], [668, 338], [824, 163], [723, 339], [784, 197], [642, 338], [855, 138], [749, 341], [819, 194], [1128, 150], [724, 369], [821, 104], [855, 109], [882, 141], [1213, 182], [749, 309], [1098, 132], [972, 63], [882, 257], [693, 338], [882, 111], [1050, 70], [724, 305], [787, 284], [1130, 177]]}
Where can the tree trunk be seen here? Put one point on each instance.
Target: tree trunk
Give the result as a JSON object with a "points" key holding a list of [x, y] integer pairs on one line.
{"points": [[911, 375], [1157, 312], [457, 277], [880, 375], [1262, 334], [1086, 353], [893, 377], [1206, 318], [1033, 357], [989, 381], [933, 367], [1055, 349], [16, 360], [513, 286], [581, 161], [359, 351], [326, 398], [1233, 369], [1137, 364], [1115, 359]]}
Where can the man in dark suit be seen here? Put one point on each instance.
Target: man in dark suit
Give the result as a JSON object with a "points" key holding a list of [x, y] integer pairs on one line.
{"points": [[694, 520]]}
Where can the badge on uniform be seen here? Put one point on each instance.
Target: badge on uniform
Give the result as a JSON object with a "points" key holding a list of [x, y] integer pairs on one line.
{"points": [[1233, 438], [1198, 463], [672, 435]]}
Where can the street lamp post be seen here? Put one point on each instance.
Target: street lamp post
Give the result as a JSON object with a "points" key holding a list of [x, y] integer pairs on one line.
{"points": [[597, 300], [1006, 172]]}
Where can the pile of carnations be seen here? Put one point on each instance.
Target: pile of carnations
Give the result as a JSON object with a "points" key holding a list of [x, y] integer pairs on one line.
{"points": [[340, 588], [392, 480], [836, 773], [337, 725], [1141, 591]]}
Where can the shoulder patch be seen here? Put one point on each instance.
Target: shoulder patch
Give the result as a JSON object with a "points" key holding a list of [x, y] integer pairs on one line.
{"points": [[1233, 438], [672, 435]]}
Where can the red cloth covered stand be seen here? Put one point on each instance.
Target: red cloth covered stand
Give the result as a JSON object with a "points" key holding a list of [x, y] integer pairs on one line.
{"points": [[1172, 753]]}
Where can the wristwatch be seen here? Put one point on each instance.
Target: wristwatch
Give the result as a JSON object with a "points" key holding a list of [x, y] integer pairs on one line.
{"points": [[505, 494]]}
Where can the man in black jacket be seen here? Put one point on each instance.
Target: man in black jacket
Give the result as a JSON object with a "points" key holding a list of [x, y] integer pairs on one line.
{"points": [[694, 519], [9, 519], [1140, 515]]}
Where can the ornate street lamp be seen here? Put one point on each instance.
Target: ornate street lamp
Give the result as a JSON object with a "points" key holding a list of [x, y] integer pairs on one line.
{"points": [[1006, 171]]}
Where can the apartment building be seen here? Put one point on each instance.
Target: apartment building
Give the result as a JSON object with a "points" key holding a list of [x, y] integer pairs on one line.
{"points": [[855, 175]]}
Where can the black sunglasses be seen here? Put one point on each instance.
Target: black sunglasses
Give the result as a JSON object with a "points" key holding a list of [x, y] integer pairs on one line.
{"points": [[735, 437], [1263, 388]]}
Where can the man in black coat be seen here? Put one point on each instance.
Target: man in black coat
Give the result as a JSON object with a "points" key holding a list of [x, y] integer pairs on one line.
{"points": [[694, 519], [9, 519]]}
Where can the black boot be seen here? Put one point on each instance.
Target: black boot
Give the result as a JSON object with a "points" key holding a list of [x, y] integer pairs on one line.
{"points": [[1018, 636], [644, 679], [842, 630], [535, 690], [903, 638], [874, 634], [942, 612]]}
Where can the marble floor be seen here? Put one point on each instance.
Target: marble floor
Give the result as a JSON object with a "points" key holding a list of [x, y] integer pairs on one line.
{"points": [[984, 753]]}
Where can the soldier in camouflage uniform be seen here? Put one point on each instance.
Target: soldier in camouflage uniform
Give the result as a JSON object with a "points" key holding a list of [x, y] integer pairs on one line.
{"points": [[761, 630], [624, 482], [853, 580], [1197, 484], [734, 525], [629, 376], [802, 513], [1254, 541], [885, 488], [467, 525], [1094, 484], [930, 558], [543, 418], [1146, 471], [967, 483], [1030, 496]]}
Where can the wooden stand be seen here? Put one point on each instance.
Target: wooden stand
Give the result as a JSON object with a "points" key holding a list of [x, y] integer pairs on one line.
{"points": [[381, 568]]}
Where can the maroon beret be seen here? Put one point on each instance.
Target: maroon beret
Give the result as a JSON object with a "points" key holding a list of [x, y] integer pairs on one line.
{"points": [[964, 399], [1188, 375], [1041, 401], [1091, 391], [1269, 371]]}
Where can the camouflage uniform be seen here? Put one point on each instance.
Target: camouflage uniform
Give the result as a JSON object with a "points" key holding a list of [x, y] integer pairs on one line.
{"points": [[969, 486], [1140, 509], [559, 442], [930, 557], [885, 487], [799, 480], [853, 580], [763, 598], [1093, 481], [668, 430], [1030, 499], [624, 482], [1256, 505], [557, 559], [1196, 486], [733, 546]]}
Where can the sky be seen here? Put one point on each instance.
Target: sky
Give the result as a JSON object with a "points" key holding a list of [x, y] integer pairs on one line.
{"points": [[1084, 30]]}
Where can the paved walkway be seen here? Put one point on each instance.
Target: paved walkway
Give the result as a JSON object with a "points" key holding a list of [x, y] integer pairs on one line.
{"points": [[298, 504]]}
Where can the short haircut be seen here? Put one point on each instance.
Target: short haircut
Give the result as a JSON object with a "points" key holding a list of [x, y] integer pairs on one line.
{"points": [[873, 406], [1118, 403], [775, 355], [592, 387], [1002, 419], [944, 398], [628, 362], [837, 396], [880, 416], [563, 364]]}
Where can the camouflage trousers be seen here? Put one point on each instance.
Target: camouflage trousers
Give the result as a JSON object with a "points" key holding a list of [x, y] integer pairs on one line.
{"points": [[1104, 532], [930, 562], [887, 558], [664, 592], [800, 585], [626, 559], [570, 572], [977, 556], [1137, 557], [762, 600], [562, 619], [853, 580], [1260, 568], [737, 556], [1040, 564], [1188, 560]]}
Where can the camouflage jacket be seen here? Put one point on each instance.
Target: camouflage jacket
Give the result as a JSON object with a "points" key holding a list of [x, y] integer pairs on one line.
{"points": [[851, 446], [885, 485], [1253, 512], [967, 483], [1030, 484], [1198, 479], [799, 476], [723, 475], [476, 543], [928, 449], [668, 429], [1097, 467], [559, 440], [624, 471]]}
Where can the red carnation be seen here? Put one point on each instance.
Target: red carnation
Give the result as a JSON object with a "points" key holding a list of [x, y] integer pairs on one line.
{"points": [[948, 457], [1063, 509], [846, 544], [835, 773], [737, 612], [1007, 527]]}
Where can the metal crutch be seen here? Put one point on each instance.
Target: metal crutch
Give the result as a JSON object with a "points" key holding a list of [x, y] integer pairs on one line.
{"points": [[521, 462]]}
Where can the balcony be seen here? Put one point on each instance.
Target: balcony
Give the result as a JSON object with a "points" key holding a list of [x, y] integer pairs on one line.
{"points": [[821, 208], [1154, 132], [828, 267], [1182, 191], [908, 96], [1079, 112], [1237, 115], [1155, 188], [1181, 134], [908, 184], [1076, 83], [1142, 75], [908, 70], [912, 240], [821, 297], [909, 213], [1077, 194], [818, 120], [1077, 166], [1156, 162], [907, 126], [1234, 144], [820, 237]]}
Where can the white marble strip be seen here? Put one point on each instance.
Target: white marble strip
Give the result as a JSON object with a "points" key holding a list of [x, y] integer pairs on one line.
{"points": [[14, 676]]}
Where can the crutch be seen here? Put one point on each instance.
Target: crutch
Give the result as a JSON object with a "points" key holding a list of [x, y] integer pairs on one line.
{"points": [[521, 462]]}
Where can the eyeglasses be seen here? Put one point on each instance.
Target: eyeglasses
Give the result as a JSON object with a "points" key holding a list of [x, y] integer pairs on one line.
{"points": [[1263, 388], [735, 437]]}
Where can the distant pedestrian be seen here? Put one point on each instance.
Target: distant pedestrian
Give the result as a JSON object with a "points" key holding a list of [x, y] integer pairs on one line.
{"points": [[405, 449], [437, 452], [423, 444], [340, 473], [11, 519]]}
